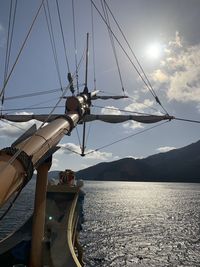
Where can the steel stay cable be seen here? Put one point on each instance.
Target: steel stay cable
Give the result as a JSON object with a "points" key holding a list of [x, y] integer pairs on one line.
{"points": [[187, 120], [75, 45], [122, 139], [112, 43], [131, 61], [21, 49], [11, 203], [134, 55], [123, 110], [8, 42], [52, 40], [36, 93], [62, 33], [93, 48], [29, 108], [11, 37], [33, 94], [122, 48], [73, 151]]}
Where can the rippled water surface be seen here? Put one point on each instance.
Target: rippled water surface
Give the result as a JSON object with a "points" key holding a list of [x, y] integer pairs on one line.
{"points": [[135, 224]]}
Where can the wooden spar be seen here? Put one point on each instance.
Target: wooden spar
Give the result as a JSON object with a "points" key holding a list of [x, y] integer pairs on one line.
{"points": [[14, 169], [39, 215]]}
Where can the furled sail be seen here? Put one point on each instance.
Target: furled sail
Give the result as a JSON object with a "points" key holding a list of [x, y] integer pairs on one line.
{"points": [[90, 117], [123, 118], [28, 117]]}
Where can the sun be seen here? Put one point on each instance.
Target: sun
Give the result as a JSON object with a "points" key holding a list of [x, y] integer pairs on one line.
{"points": [[154, 50]]}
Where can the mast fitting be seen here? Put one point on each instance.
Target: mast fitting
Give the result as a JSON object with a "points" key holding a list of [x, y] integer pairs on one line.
{"points": [[23, 158]]}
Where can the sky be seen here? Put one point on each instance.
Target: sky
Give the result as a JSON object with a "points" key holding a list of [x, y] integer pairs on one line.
{"points": [[164, 36]]}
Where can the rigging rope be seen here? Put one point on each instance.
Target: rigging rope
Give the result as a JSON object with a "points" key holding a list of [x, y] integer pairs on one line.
{"points": [[9, 44], [123, 110], [129, 46], [11, 203], [62, 33], [20, 51], [52, 40], [93, 49], [187, 120], [75, 46], [45, 92], [29, 108], [112, 43], [131, 61], [7, 47], [122, 139]]}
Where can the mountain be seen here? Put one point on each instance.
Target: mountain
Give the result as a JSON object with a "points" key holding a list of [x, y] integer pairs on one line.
{"points": [[178, 165]]}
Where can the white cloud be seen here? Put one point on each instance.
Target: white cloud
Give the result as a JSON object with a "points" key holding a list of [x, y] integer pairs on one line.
{"points": [[68, 148], [165, 149], [140, 107], [99, 155], [179, 72], [111, 110], [132, 157], [132, 125], [160, 76], [13, 129], [55, 164]]}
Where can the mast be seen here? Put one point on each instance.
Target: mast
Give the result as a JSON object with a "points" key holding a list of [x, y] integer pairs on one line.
{"points": [[85, 90], [18, 162]]}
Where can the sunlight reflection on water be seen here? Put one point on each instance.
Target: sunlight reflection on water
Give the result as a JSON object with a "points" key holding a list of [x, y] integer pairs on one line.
{"points": [[142, 224], [133, 224]]}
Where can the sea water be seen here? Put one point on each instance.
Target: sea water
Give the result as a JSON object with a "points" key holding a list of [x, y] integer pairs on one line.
{"points": [[132, 224]]}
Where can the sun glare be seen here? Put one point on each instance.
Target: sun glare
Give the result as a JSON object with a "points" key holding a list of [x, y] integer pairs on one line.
{"points": [[154, 50]]}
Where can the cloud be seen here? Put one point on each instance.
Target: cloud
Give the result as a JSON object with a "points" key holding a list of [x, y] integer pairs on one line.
{"points": [[165, 149], [55, 164], [143, 107], [179, 72], [99, 155], [160, 76], [70, 148], [132, 125], [111, 110], [13, 129], [140, 107]]}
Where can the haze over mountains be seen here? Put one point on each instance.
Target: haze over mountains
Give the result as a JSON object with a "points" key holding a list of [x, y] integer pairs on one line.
{"points": [[178, 165]]}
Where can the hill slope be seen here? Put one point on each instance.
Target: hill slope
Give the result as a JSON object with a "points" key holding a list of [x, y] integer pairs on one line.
{"points": [[178, 165]]}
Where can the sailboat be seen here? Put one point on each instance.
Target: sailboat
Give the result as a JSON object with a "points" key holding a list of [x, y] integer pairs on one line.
{"points": [[34, 149]]}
